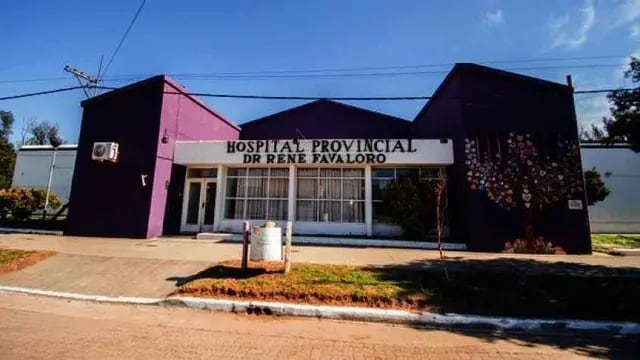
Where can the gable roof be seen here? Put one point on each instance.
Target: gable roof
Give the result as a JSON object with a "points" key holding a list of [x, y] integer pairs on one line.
{"points": [[460, 68], [325, 102], [178, 89]]}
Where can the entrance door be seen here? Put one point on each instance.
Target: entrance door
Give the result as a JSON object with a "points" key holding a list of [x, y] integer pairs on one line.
{"points": [[200, 205]]}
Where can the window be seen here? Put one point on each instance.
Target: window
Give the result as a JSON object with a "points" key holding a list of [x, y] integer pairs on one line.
{"points": [[202, 173], [382, 177], [330, 194], [257, 193]]}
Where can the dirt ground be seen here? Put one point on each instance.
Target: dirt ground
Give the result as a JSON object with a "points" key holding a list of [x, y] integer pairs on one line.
{"points": [[46, 328]]}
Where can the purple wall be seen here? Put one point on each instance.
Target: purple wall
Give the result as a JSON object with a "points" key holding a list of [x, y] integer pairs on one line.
{"points": [[475, 101], [324, 119], [109, 199], [183, 118]]}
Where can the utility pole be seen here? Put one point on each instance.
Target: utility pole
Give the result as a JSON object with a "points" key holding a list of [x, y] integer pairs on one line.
{"points": [[89, 83]]}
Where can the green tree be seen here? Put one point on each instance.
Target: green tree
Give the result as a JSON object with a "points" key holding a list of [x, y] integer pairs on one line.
{"points": [[624, 124], [44, 133], [595, 187], [412, 205], [7, 150], [595, 135]]}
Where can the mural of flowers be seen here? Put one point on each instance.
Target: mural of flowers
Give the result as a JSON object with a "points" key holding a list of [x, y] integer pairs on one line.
{"points": [[517, 176]]}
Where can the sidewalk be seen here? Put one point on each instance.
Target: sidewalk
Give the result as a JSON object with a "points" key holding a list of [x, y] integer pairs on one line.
{"points": [[186, 249], [151, 268]]}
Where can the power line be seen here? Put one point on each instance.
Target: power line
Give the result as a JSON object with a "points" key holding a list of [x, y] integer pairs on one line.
{"points": [[268, 97], [45, 92], [115, 52], [271, 97], [301, 74], [355, 75], [392, 67]]}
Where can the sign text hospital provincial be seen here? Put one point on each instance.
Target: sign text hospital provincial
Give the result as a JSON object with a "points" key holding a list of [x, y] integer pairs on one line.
{"points": [[356, 151]]}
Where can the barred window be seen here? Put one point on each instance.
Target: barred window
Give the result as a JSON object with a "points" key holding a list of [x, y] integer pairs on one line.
{"points": [[330, 195], [257, 193]]}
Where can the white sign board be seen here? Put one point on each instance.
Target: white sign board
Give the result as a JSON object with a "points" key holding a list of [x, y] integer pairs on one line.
{"points": [[575, 204], [331, 151]]}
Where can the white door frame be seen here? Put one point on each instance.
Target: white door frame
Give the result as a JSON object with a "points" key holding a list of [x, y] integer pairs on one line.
{"points": [[202, 201]]}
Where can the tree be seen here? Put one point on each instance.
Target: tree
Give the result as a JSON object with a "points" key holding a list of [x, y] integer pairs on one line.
{"points": [[44, 133], [595, 187], [7, 150], [624, 124], [411, 203], [520, 179], [595, 135]]}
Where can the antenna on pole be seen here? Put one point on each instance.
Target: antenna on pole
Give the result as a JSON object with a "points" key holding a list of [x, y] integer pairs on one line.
{"points": [[89, 83]]}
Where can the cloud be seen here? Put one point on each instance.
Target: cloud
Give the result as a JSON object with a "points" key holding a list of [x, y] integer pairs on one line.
{"points": [[492, 19], [628, 14], [571, 30], [591, 109]]}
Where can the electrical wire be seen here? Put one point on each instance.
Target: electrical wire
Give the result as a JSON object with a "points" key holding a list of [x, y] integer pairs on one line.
{"points": [[268, 97], [45, 92], [115, 52], [261, 75]]}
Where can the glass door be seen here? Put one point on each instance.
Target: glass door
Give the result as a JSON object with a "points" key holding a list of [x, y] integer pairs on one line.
{"points": [[199, 207], [208, 205]]}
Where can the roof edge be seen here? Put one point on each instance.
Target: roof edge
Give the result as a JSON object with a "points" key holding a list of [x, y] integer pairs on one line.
{"points": [[483, 68], [323, 100], [183, 91]]}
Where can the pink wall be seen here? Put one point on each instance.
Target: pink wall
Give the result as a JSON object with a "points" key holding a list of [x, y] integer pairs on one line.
{"points": [[182, 118]]}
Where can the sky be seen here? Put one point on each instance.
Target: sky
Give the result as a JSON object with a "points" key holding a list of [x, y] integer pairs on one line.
{"points": [[40, 37]]}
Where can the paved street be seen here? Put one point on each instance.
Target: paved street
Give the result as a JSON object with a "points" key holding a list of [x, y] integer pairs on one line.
{"points": [[46, 328]]}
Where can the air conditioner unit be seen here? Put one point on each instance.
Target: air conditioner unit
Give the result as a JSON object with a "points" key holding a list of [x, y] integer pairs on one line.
{"points": [[105, 151]]}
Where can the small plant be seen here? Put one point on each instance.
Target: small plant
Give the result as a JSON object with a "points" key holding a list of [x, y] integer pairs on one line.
{"points": [[21, 203], [533, 246]]}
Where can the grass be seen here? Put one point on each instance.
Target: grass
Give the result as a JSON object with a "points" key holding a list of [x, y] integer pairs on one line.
{"points": [[607, 242], [13, 260], [512, 287], [327, 284]]}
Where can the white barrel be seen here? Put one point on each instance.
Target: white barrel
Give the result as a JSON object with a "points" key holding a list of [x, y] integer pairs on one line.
{"points": [[266, 244]]}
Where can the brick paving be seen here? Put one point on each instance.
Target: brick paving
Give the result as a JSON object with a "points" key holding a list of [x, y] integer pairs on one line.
{"points": [[45, 328]]}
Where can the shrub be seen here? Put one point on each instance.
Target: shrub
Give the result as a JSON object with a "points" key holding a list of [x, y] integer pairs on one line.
{"points": [[23, 202], [596, 188], [533, 246], [411, 204]]}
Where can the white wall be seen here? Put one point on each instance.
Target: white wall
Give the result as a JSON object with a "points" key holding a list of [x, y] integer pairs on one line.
{"points": [[33, 164], [620, 170]]}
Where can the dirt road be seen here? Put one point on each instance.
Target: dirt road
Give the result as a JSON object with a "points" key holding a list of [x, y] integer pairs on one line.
{"points": [[45, 328]]}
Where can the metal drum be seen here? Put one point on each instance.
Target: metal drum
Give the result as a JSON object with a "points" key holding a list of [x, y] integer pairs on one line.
{"points": [[266, 244]]}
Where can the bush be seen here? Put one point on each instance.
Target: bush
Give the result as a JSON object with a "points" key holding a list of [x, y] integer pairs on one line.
{"points": [[23, 202], [533, 246], [595, 187], [411, 204]]}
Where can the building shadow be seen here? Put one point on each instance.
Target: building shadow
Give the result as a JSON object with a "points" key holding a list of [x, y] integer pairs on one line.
{"points": [[507, 287], [220, 272], [590, 344], [527, 288]]}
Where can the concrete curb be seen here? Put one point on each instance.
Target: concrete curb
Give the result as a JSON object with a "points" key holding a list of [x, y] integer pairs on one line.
{"points": [[342, 241], [351, 313]]}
